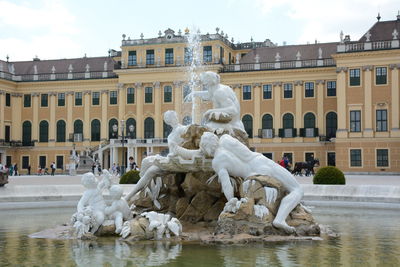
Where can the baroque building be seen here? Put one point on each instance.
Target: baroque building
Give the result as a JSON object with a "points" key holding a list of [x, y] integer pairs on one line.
{"points": [[338, 101]]}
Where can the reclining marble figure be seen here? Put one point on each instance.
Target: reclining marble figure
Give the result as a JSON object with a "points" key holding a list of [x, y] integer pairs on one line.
{"points": [[232, 158], [225, 113]]}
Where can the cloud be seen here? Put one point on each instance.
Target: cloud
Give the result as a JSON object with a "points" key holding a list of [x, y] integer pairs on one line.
{"points": [[323, 20], [43, 27]]}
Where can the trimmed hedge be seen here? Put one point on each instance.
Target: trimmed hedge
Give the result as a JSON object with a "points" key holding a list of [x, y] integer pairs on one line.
{"points": [[131, 177], [329, 175]]}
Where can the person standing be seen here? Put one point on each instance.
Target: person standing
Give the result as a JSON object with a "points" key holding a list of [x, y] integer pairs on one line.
{"points": [[53, 168], [15, 169], [29, 169], [132, 164]]}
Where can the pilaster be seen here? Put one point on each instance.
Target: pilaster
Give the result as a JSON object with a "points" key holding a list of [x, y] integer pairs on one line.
{"points": [[86, 117], [121, 101], [35, 117], [52, 122], [395, 131], [320, 106], [139, 110], [70, 103], [277, 91], [342, 131], [104, 119], [16, 102], [2, 107], [368, 131], [178, 97], [157, 106], [298, 89], [257, 108]]}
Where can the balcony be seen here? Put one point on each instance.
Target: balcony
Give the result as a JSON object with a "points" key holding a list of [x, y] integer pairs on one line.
{"points": [[75, 137], [308, 132], [266, 133], [287, 132], [349, 47]]}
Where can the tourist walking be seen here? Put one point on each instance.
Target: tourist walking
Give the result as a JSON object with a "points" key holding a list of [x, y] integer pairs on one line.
{"points": [[11, 170], [53, 168]]}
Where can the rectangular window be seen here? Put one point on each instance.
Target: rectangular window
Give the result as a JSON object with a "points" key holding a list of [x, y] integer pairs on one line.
{"points": [[130, 95], [96, 98], [132, 59], [246, 92], [355, 121], [78, 99], [287, 90], [8, 100], [267, 91], [61, 99], [381, 120], [381, 75], [44, 100], [268, 155], [355, 157], [113, 97], [7, 134], [221, 55], [169, 56], [27, 100], [309, 89], [167, 94], [150, 57], [60, 162], [382, 158], [355, 77], [188, 56], [331, 88], [309, 156], [8, 160], [25, 162], [148, 95], [207, 53], [42, 162]]}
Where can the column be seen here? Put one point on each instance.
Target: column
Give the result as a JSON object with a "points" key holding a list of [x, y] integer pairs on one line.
{"points": [[111, 151], [257, 109], [86, 117], [178, 97], [341, 103], [368, 128], [35, 117], [52, 122], [139, 110], [16, 102], [395, 131], [115, 156], [2, 105], [277, 90], [237, 88], [320, 106], [104, 119], [158, 120], [298, 91], [70, 103], [121, 101]]}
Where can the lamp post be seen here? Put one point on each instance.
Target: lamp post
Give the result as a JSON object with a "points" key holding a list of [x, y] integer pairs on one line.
{"points": [[115, 130]]}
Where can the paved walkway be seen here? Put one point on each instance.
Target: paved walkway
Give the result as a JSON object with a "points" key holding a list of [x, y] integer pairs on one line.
{"points": [[70, 180]]}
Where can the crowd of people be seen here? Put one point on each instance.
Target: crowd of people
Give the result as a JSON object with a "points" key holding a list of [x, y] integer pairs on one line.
{"points": [[116, 168], [11, 169]]}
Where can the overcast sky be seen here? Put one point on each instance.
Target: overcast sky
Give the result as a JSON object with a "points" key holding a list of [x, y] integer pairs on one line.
{"points": [[54, 29]]}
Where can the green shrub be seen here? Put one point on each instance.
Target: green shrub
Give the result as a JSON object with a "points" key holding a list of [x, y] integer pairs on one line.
{"points": [[131, 177], [329, 175]]}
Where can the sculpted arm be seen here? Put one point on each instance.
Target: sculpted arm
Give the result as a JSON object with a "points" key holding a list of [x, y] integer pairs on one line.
{"points": [[224, 102], [83, 201]]}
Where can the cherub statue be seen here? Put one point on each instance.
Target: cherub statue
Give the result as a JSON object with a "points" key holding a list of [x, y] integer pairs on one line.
{"points": [[119, 209], [91, 204], [175, 137]]}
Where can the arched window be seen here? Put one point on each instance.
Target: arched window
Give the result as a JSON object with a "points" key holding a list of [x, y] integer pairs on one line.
{"points": [[131, 132], [288, 121], [248, 125], [78, 127], [331, 124], [187, 120], [26, 133], [267, 121], [111, 133], [43, 131], [149, 128], [309, 120], [95, 130], [60, 137], [166, 130]]}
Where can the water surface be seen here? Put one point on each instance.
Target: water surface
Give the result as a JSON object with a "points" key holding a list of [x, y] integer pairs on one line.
{"points": [[369, 237]]}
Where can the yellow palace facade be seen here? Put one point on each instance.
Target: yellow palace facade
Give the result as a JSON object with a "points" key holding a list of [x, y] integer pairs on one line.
{"points": [[338, 102]]}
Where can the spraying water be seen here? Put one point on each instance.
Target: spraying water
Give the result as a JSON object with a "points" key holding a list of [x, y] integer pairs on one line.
{"points": [[194, 65]]}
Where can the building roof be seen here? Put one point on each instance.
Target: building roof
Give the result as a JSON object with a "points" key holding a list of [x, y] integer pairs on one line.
{"points": [[382, 31], [95, 64], [290, 52]]}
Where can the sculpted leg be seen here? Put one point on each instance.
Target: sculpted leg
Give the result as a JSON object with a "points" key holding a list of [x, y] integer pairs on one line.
{"points": [[118, 222], [226, 184], [288, 203], [151, 172]]}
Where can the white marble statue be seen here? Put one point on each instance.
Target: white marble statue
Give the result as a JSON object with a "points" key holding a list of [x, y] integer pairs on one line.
{"points": [[225, 113], [91, 207], [119, 209], [149, 170], [232, 158]]}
